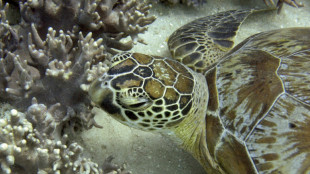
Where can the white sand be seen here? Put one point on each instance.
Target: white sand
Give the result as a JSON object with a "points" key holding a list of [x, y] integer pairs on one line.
{"points": [[147, 153]]}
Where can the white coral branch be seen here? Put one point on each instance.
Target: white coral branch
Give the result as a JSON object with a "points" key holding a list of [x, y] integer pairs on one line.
{"points": [[88, 15], [59, 47], [93, 73], [59, 69], [38, 55], [3, 70], [3, 11], [132, 18], [89, 51], [26, 76], [90, 48], [23, 144], [36, 47]]}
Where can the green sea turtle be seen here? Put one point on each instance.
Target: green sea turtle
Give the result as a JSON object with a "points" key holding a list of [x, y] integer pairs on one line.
{"points": [[240, 110]]}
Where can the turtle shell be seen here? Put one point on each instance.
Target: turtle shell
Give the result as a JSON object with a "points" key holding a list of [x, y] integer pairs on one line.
{"points": [[258, 112], [259, 107]]}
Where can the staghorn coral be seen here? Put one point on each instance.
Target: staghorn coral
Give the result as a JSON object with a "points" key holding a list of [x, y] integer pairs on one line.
{"points": [[112, 20], [57, 48], [50, 51], [30, 142]]}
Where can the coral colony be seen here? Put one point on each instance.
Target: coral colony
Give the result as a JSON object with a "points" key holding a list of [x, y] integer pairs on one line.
{"points": [[50, 51]]}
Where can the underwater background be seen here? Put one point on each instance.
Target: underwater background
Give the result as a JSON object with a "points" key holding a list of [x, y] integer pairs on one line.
{"points": [[142, 152]]}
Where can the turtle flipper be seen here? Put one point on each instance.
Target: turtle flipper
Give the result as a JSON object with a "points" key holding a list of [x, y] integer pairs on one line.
{"points": [[201, 43]]}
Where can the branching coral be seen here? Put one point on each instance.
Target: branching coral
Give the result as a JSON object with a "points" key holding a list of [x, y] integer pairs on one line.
{"points": [[55, 72], [112, 20], [58, 47], [30, 142], [50, 51]]}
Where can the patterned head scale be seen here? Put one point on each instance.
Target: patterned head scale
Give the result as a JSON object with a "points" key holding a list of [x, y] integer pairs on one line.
{"points": [[145, 92]]}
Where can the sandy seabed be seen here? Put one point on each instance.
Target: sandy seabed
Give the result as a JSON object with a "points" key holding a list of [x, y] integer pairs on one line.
{"points": [[151, 153]]}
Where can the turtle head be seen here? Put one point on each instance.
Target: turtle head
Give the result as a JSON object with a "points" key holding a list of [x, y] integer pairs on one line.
{"points": [[145, 92]]}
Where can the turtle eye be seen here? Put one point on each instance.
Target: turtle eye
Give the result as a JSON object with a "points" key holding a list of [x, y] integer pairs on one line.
{"points": [[138, 105], [135, 103], [134, 99]]}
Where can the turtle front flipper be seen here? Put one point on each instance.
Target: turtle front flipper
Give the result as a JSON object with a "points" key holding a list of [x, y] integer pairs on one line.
{"points": [[201, 43]]}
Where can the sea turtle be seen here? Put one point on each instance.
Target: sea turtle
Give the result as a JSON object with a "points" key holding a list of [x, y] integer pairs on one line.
{"points": [[240, 110]]}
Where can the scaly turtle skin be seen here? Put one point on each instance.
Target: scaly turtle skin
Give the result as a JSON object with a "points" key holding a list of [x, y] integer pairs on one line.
{"points": [[240, 110]]}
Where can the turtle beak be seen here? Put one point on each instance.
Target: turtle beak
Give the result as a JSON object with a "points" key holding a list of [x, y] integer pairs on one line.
{"points": [[97, 93], [103, 97]]}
